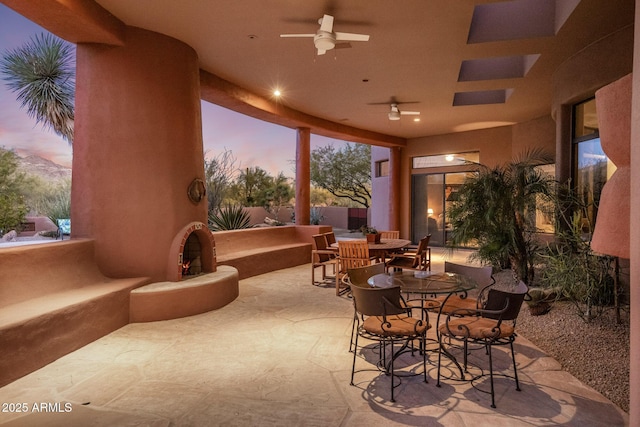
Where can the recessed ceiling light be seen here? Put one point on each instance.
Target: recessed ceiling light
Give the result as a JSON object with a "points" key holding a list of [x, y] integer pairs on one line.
{"points": [[416, 119], [449, 157], [277, 92]]}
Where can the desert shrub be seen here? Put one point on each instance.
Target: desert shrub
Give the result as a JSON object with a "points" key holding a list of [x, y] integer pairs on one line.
{"points": [[577, 273], [316, 216], [231, 217]]}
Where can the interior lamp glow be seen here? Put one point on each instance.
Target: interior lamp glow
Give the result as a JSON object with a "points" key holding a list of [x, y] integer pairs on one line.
{"points": [[449, 157], [277, 92], [429, 212]]}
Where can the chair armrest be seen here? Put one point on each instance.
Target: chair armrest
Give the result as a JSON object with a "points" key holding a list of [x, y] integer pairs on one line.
{"points": [[323, 251]]}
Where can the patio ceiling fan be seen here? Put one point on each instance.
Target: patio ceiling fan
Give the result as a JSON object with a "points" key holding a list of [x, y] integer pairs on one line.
{"points": [[395, 112], [326, 39]]}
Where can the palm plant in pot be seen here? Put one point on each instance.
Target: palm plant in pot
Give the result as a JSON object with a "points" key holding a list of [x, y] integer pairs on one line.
{"points": [[495, 212]]}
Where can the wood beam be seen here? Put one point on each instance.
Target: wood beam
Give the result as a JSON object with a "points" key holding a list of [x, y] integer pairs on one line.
{"points": [[228, 95], [76, 21]]}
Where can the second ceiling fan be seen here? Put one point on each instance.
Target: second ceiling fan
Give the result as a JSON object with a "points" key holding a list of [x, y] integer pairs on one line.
{"points": [[326, 39]]}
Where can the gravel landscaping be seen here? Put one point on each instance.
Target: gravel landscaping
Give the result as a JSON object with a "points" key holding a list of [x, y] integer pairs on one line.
{"points": [[596, 353]]}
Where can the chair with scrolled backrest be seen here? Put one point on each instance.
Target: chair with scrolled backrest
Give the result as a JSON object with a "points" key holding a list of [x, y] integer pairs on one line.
{"points": [[351, 254], [358, 277], [483, 276], [382, 316], [493, 324]]}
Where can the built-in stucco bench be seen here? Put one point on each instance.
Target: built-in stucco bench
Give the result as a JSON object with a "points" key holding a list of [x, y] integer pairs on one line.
{"points": [[260, 250], [171, 300], [53, 300]]}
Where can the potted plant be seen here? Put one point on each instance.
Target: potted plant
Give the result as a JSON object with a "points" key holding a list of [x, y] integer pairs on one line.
{"points": [[371, 234], [539, 300]]}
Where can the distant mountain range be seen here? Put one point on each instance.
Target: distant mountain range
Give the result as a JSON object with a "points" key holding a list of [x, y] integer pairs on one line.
{"points": [[43, 168]]}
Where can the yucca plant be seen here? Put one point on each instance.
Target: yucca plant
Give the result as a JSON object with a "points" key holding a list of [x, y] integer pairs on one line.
{"points": [[42, 73], [231, 217]]}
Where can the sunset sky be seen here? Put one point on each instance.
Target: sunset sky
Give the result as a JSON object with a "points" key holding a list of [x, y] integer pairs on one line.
{"points": [[253, 142]]}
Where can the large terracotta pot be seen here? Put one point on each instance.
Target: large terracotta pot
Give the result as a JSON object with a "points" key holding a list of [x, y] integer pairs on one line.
{"points": [[373, 238]]}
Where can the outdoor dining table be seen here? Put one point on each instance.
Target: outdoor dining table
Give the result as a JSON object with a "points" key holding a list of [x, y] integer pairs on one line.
{"points": [[427, 284], [384, 247]]}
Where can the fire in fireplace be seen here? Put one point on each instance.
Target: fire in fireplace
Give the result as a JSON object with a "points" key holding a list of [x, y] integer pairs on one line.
{"points": [[191, 256]]}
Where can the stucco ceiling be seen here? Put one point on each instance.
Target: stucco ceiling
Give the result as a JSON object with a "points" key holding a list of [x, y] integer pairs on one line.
{"points": [[463, 64]]}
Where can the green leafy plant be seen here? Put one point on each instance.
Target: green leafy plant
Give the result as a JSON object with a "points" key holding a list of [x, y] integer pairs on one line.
{"points": [[231, 217], [495, 211], [12, 204], [365, 229]]}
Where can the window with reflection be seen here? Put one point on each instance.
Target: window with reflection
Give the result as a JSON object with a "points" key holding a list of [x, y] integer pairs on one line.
{"points": [[382, 168], [443, 160], [591, 166]]}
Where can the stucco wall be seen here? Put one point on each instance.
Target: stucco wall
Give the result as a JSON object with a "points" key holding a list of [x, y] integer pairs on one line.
{"points": [[138, 140], [379, 190], [495, 146]]}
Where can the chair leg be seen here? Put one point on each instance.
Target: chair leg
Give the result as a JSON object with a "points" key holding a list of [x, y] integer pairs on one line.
{"points": [[493, 399], [515, 370], [392, 372], [466, 355], [353, 367], [353, 331], [423, 340], [439, 359]]}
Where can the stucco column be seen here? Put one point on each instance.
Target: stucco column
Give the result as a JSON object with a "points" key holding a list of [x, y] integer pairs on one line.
{"points": [[394, 188], [137, 149], [303, 176], [634, 234]]}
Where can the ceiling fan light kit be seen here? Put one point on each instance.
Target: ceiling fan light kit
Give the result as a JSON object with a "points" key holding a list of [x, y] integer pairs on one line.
{"points": [[395, 112], [325, 38], [394, 115]]}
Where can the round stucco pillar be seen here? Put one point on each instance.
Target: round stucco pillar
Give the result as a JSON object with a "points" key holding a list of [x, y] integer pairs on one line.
{"points": [[394, 188], [137, 149], [303, 177]]}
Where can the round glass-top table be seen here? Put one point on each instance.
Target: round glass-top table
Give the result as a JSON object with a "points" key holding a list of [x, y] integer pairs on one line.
{"points": [[424, 282]]}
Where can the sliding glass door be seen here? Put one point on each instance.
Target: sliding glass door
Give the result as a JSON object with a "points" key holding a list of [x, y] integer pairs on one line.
{"points": [[432, 195]]}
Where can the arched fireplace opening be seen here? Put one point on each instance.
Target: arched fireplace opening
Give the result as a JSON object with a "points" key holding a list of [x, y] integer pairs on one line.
{"points": [[194, 249], [192, 257]]}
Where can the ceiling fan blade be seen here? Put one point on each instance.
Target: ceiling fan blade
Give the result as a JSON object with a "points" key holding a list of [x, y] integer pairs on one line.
{"points": [[327, 24], [410, 113], [297, 35], [351, 37]]}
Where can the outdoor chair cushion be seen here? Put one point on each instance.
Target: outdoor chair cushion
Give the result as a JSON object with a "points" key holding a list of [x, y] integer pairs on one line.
{"points": [[456, 303], [400, 326], [477, 327]]}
